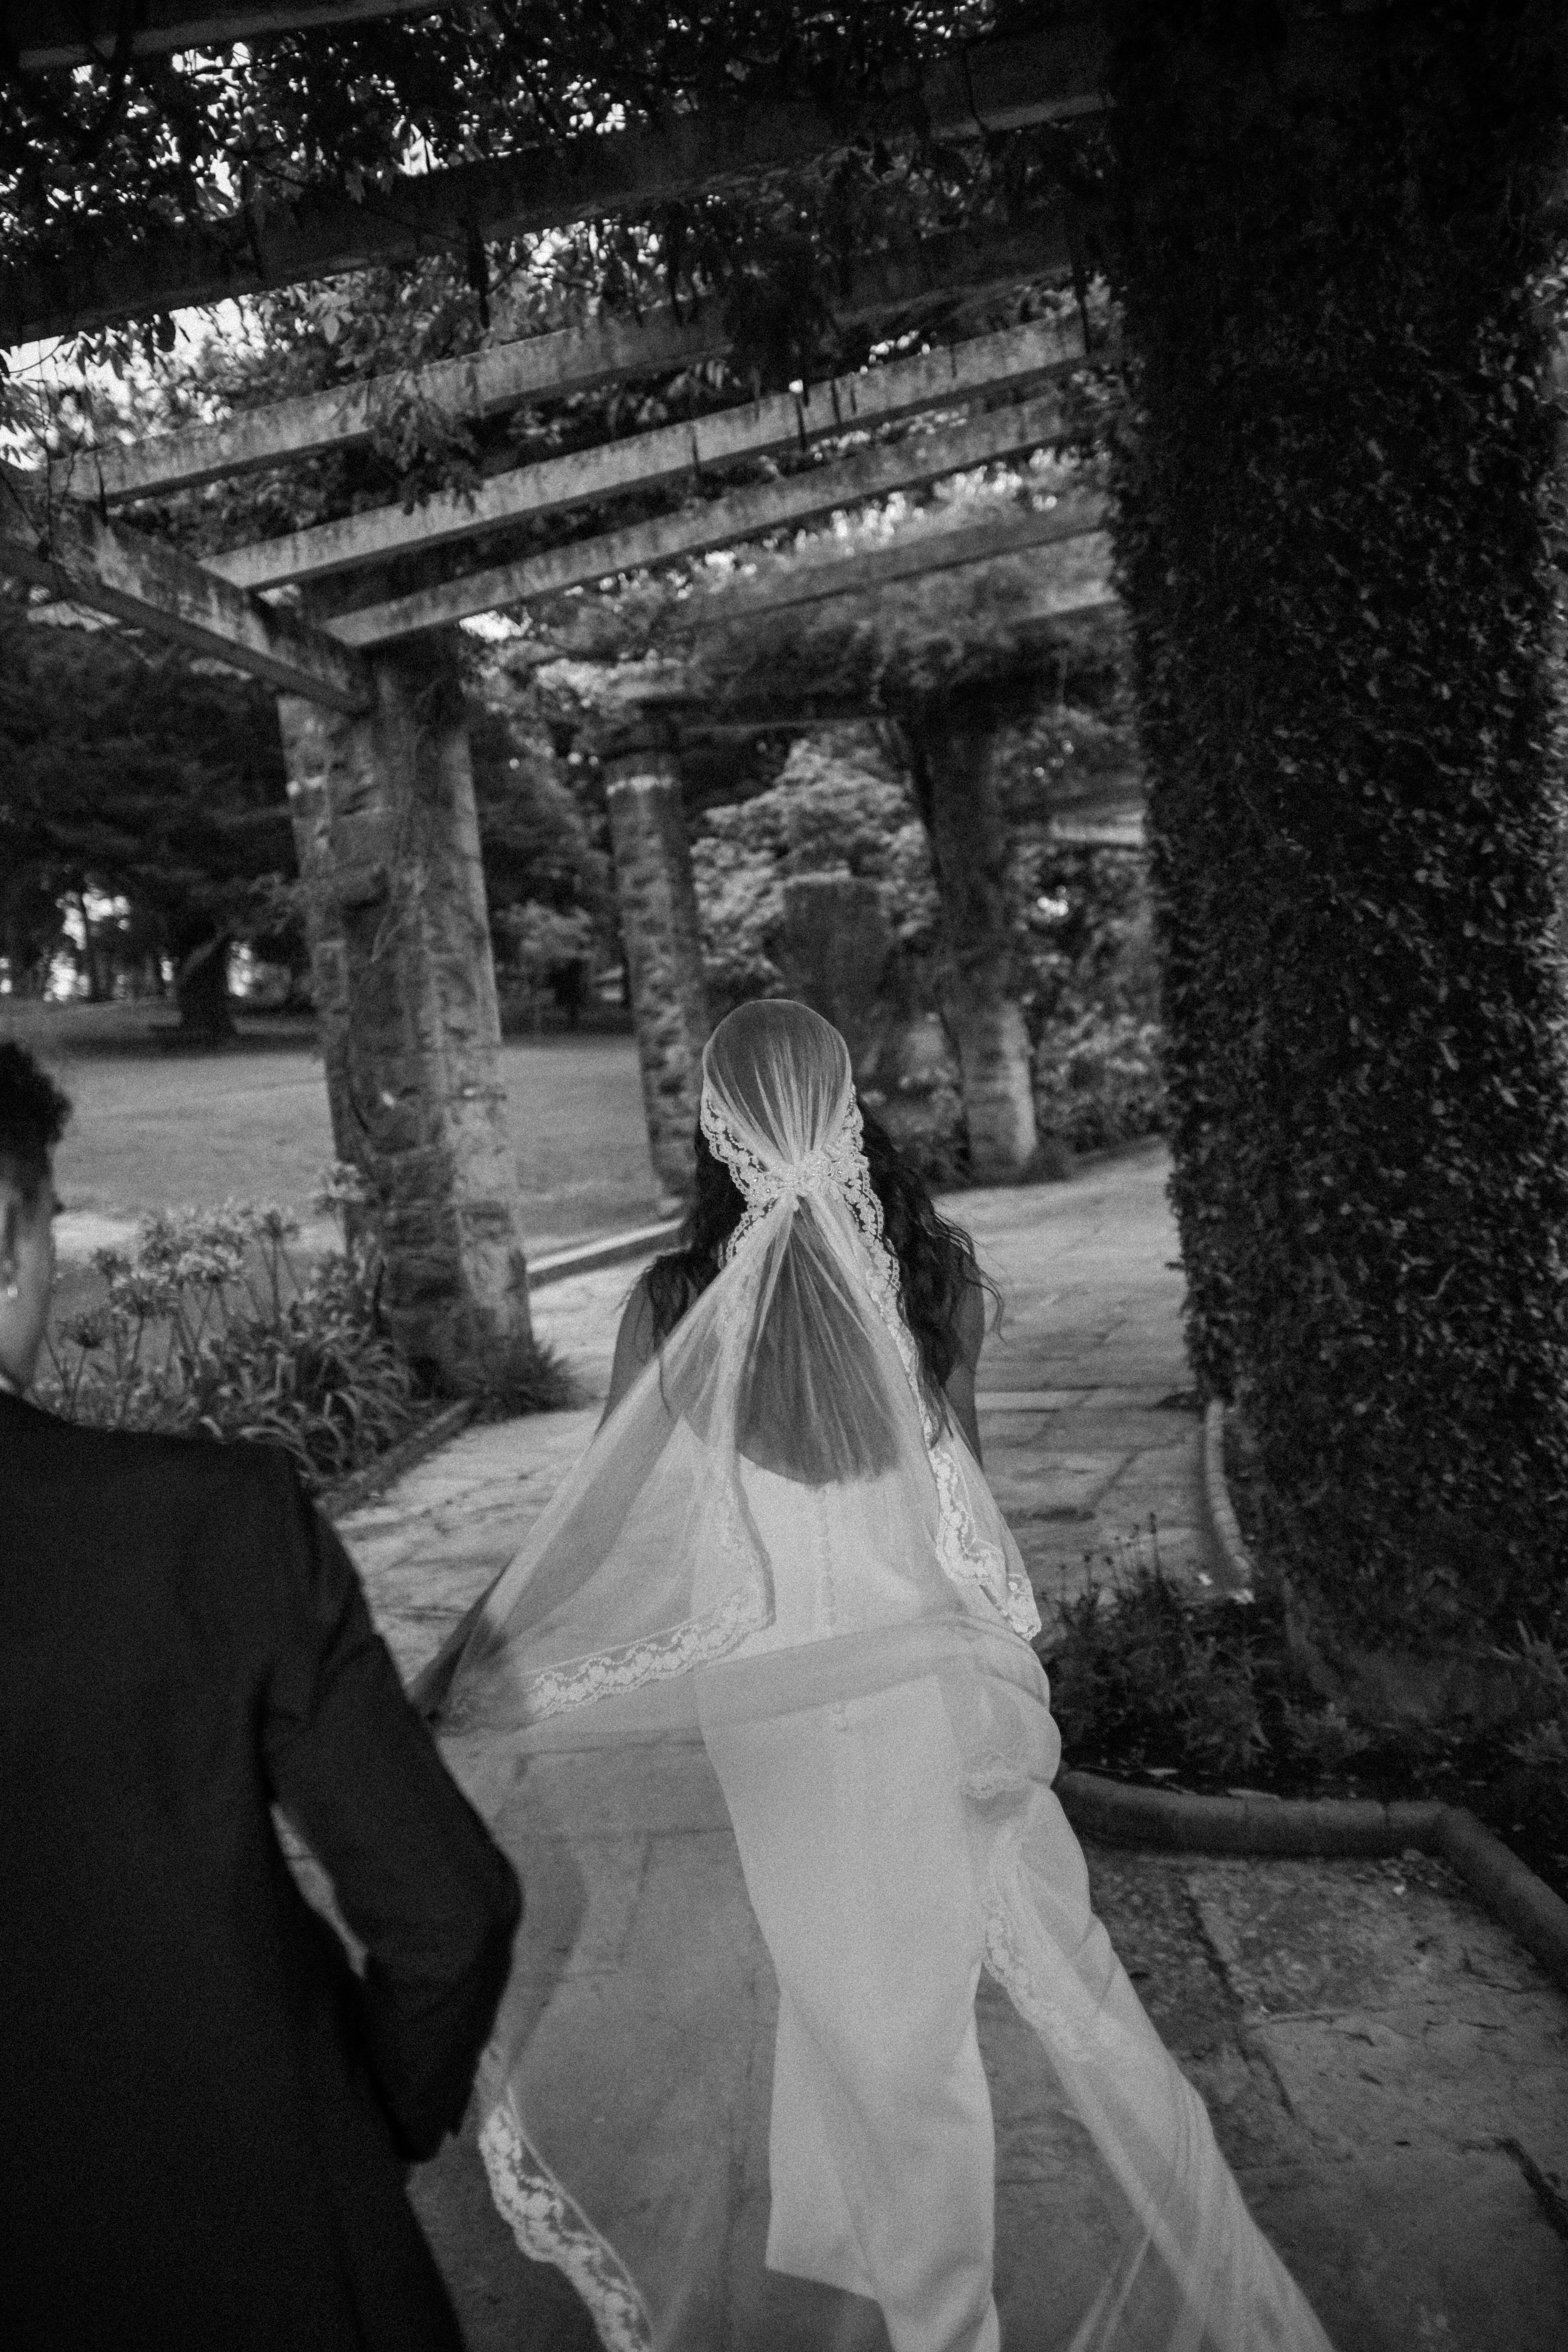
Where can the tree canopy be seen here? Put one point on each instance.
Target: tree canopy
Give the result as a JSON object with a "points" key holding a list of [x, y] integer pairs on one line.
{"points": [[128, 772], [138, 143]]}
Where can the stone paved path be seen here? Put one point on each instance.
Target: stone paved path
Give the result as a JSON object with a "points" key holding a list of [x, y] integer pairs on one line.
{"points": [[1387, 2071]]}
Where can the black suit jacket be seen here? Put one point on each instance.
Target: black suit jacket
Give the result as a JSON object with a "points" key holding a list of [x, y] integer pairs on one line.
{"points": [[206, 2114]]}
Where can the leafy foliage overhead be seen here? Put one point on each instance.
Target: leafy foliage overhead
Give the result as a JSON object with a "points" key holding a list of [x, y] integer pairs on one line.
{"points": [[134, 146]]}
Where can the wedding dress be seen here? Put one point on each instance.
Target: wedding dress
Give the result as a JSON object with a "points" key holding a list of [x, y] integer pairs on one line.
{"points": [[779, 1548]]}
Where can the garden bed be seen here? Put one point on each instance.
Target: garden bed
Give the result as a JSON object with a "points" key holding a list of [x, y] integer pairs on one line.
{"points": [[1210, 1700], [209, 1326]]}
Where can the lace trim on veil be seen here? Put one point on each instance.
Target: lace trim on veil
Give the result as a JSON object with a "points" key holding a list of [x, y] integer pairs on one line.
{"points": [[551, 2227], [840, 1168], [609, 1674], [696, 1642]]}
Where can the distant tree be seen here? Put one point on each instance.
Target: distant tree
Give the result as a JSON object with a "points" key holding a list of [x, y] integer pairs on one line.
{"points": [[542, 835], [551, 954], [125, 771], [840, 806]]}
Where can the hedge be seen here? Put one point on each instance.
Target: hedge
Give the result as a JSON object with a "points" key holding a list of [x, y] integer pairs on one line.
{"points": [[1338, 501]]}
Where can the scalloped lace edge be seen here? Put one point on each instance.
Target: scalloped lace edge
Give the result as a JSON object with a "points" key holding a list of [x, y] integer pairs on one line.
{"points": [[550, 2226]]}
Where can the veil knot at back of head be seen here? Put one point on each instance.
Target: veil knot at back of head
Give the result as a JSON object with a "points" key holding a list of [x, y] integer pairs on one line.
{"points": [[778, 1108]]}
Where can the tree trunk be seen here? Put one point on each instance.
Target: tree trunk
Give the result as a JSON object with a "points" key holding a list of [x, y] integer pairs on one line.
{"points": [[952, 743], [201, 992]]}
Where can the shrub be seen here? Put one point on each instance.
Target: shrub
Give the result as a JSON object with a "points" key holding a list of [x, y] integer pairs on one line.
{"points": [[1145, 1682], [1097, 1081], [533, 1378], [1139, 1682], [1336, 491], [209, 1326], [548, 958], [837, 808]]}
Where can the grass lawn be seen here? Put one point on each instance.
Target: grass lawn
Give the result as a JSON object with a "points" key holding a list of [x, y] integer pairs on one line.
{"points": [[154, 1127]]}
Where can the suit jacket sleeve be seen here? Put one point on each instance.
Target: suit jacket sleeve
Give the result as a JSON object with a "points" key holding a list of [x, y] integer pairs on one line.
{"points": [[417, 1875]]}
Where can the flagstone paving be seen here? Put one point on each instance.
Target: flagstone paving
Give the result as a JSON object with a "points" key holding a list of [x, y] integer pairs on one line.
{"points": [[1387, 2071]]}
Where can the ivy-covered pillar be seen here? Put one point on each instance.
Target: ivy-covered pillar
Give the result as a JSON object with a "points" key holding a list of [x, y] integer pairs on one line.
{"points": [[388, 839], [1335, 498], [952, 745], [663, 941]]}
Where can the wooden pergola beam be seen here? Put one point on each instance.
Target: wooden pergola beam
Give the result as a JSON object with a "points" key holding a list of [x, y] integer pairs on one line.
{"points": [[509, 376], [1081, 516], [87, 562], [969, 92], [740, 515], [1013, 360], [76, 32], [973, 263]]}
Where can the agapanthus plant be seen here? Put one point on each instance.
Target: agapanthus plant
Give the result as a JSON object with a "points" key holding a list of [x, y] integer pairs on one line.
{"points": [[216, 1323]]}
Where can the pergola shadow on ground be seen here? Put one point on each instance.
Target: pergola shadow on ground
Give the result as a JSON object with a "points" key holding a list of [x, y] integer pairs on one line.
{"points": [[947, 627]]}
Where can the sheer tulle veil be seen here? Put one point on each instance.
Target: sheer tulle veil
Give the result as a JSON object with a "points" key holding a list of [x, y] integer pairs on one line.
{"points": [[779, 1547]]}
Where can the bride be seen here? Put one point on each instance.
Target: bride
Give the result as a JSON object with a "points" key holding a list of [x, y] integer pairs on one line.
{"points": [[781, 1551]]}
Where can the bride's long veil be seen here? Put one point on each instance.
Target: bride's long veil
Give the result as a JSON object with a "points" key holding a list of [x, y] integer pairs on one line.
{"points": [[778, 1541]]}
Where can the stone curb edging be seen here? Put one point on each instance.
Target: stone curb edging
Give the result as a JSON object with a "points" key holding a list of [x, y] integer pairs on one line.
{"points": [[346, 1495], [1512, 1892], [1173, 1821], [1177, 1822], [613, 1249]]}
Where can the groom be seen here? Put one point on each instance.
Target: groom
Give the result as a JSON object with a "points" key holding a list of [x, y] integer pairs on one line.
{"points": [[207, 2114]]}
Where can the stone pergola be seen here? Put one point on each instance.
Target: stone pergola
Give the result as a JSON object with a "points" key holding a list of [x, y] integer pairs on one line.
{"points": [[823, 638], [351, 623]]}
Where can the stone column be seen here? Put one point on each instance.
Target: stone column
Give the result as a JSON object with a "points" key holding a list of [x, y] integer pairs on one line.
{"points": [[387, 838], [952, 746], [664, 950]]}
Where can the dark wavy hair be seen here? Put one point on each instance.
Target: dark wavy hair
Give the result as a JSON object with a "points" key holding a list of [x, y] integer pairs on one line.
{"points": [[33, 1115], [935, 1258]]}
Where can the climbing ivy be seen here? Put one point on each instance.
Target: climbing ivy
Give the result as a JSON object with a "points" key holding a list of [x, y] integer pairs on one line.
{"points": [[1338, 498]]}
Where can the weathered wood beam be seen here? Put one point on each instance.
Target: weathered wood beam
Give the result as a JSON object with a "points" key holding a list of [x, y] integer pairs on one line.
{"points": [[1015, 359], [1080, 516], [971, 262], [76, 32], [89, 561], [751, 513], [574, 358], [987, 87]]}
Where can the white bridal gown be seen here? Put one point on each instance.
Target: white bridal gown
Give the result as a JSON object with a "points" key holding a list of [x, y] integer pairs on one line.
{"points": [[852, 1836], [853, 1652]]}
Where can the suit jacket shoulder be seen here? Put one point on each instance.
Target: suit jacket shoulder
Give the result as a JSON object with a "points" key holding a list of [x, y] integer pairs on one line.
{"points": [[219, 1531]]}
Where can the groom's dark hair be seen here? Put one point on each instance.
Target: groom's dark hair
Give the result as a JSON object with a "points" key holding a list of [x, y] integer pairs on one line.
{"points": [[33, 1115]]}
